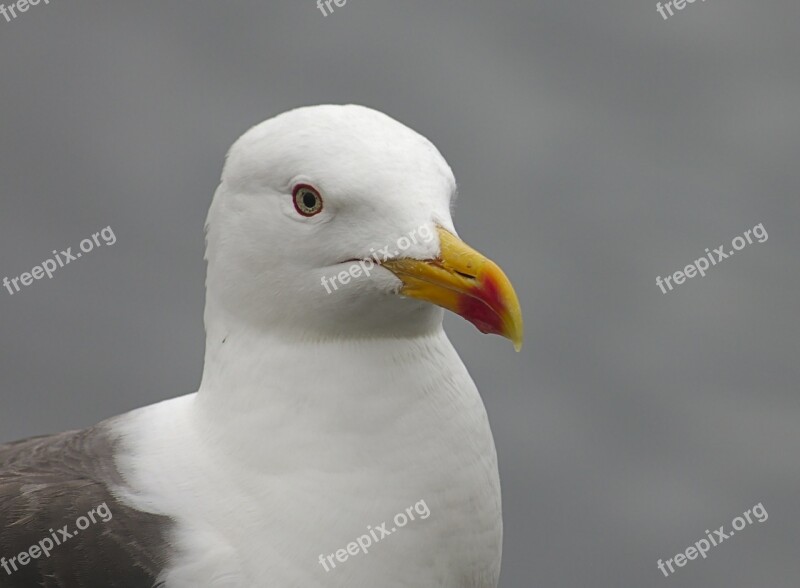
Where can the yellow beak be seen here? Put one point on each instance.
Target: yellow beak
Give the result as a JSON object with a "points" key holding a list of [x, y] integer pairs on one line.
{"points": [[465, 282]]}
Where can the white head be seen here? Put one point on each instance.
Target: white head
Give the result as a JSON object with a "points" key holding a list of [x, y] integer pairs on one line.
{"points": [[307, 194]]}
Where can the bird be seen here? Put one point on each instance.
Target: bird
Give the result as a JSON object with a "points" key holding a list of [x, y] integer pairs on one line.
{"points": [[333, 410]]}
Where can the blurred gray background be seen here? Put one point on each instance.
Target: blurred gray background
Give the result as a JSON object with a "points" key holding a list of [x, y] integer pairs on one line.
{"points": [[597, 146]]}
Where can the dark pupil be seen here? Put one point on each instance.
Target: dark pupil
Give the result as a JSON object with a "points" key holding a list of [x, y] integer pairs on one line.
{"points": [[309, 200]]}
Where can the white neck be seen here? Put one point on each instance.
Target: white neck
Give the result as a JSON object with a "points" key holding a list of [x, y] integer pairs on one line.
{"points": [[261, 392]]}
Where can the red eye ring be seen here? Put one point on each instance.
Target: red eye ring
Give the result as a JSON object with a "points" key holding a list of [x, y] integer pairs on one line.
{"points": [[307, 200]]}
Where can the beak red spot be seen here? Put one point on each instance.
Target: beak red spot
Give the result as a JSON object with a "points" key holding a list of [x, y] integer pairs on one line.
{"points": [[483, 307]]}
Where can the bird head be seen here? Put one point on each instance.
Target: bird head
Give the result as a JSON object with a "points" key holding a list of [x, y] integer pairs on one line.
{"points": [[336, 221]]}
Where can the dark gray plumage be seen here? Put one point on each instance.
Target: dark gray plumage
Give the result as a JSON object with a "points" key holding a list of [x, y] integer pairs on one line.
{"points": [[48, 482]]}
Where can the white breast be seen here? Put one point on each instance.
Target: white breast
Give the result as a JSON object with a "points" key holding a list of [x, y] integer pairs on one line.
{"points": [[261, 483]]}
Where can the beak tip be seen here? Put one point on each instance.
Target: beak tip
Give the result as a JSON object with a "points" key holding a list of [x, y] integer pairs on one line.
{"points": [[515, 334]]}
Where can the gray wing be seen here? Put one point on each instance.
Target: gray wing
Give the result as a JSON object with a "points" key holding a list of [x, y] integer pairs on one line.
{"points": [[49, 482]]}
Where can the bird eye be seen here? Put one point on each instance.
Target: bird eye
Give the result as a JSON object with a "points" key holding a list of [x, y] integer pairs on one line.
{"points": [[307, 201]]}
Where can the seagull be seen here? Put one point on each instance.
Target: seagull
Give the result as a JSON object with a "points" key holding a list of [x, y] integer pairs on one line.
{"points": [[331, 401]]}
